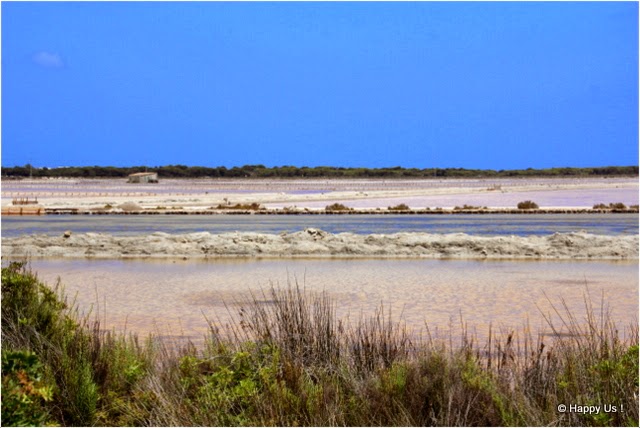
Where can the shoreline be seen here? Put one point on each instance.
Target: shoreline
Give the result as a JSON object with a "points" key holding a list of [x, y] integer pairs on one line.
{"points": [[40, 210]]}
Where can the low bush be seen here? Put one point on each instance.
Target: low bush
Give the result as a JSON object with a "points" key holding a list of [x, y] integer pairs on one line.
{"points": [[337, 207], [617, 206], [24, 391], [79, 372], [527, 205], [249, 207], [468, 207], [399, 207], [611, 206]]}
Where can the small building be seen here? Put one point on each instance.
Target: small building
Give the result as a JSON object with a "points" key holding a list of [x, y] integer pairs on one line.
{"points": [[143, 177]]}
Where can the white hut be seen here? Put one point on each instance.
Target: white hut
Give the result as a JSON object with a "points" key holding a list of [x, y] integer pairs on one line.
{"points": [[143, 177]]}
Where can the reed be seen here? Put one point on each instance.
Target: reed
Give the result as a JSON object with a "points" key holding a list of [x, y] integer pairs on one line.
{"points": [[287, 360]]}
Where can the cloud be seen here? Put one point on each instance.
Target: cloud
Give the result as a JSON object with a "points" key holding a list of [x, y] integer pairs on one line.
{"points": [[48, 59]]}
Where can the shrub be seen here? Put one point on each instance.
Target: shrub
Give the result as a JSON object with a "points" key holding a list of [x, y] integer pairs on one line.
{"points": [[36, 320], [223, 390], [50, 352], [24, 393], [527, 205], [337, 207], [468, 207], [399, 207], [611, 206], [250, 207]]}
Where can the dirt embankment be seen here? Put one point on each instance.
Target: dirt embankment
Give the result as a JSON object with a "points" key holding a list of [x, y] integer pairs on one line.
{"points": [[317, 243]]}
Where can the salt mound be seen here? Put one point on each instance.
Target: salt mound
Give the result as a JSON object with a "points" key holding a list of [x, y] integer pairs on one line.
{"points": [[129, 206], [314, 242]]}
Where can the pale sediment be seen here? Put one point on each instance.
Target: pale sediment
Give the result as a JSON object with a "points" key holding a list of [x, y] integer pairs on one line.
{"points": [[317, 243]]}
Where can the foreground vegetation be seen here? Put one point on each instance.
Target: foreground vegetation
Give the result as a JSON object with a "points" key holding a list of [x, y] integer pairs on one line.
{"points": [[288, 361], [261, 171]]}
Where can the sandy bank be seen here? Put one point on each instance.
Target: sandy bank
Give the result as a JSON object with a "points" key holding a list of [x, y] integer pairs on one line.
{"points": [[317, 243]]}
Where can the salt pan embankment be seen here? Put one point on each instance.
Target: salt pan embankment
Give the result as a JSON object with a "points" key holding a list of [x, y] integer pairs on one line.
{"points": [[317, 243]]}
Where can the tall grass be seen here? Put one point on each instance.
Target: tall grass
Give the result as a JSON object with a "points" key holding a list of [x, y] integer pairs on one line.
{"points": [[287, 360]]}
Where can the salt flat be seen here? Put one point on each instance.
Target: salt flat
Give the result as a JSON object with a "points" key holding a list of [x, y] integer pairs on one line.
{"points": [[313, 194]]}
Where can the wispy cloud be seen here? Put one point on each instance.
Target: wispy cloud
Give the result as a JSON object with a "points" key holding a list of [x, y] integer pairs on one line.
{"points": [[48, 59]]}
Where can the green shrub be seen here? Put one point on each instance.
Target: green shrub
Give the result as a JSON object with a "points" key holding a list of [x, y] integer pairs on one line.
{"points": [[93, 376], [24, 392], [29, 308]]}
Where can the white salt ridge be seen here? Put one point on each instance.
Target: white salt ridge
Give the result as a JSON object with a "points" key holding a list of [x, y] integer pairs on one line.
{"points": [[318, 243]]}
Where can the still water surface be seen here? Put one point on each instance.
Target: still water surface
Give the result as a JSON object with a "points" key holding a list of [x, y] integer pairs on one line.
{"points": [[475, 224], [172, 297]]}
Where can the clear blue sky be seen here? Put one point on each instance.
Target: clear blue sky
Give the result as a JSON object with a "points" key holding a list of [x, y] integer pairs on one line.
{"points": [[469, 85]]}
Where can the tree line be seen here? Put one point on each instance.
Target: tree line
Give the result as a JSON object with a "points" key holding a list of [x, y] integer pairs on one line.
{"points": [[261, 171]]}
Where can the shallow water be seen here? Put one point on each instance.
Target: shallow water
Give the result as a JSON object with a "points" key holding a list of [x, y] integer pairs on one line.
{"points": [[174, 297], [502, 224]]}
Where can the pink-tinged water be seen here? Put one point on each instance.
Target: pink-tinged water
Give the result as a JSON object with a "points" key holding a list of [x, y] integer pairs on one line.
{"points": [[585, 198], [174, 297]]}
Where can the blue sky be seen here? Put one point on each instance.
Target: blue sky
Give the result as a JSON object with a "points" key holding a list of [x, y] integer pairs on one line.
{"points": [[468, 85]]}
